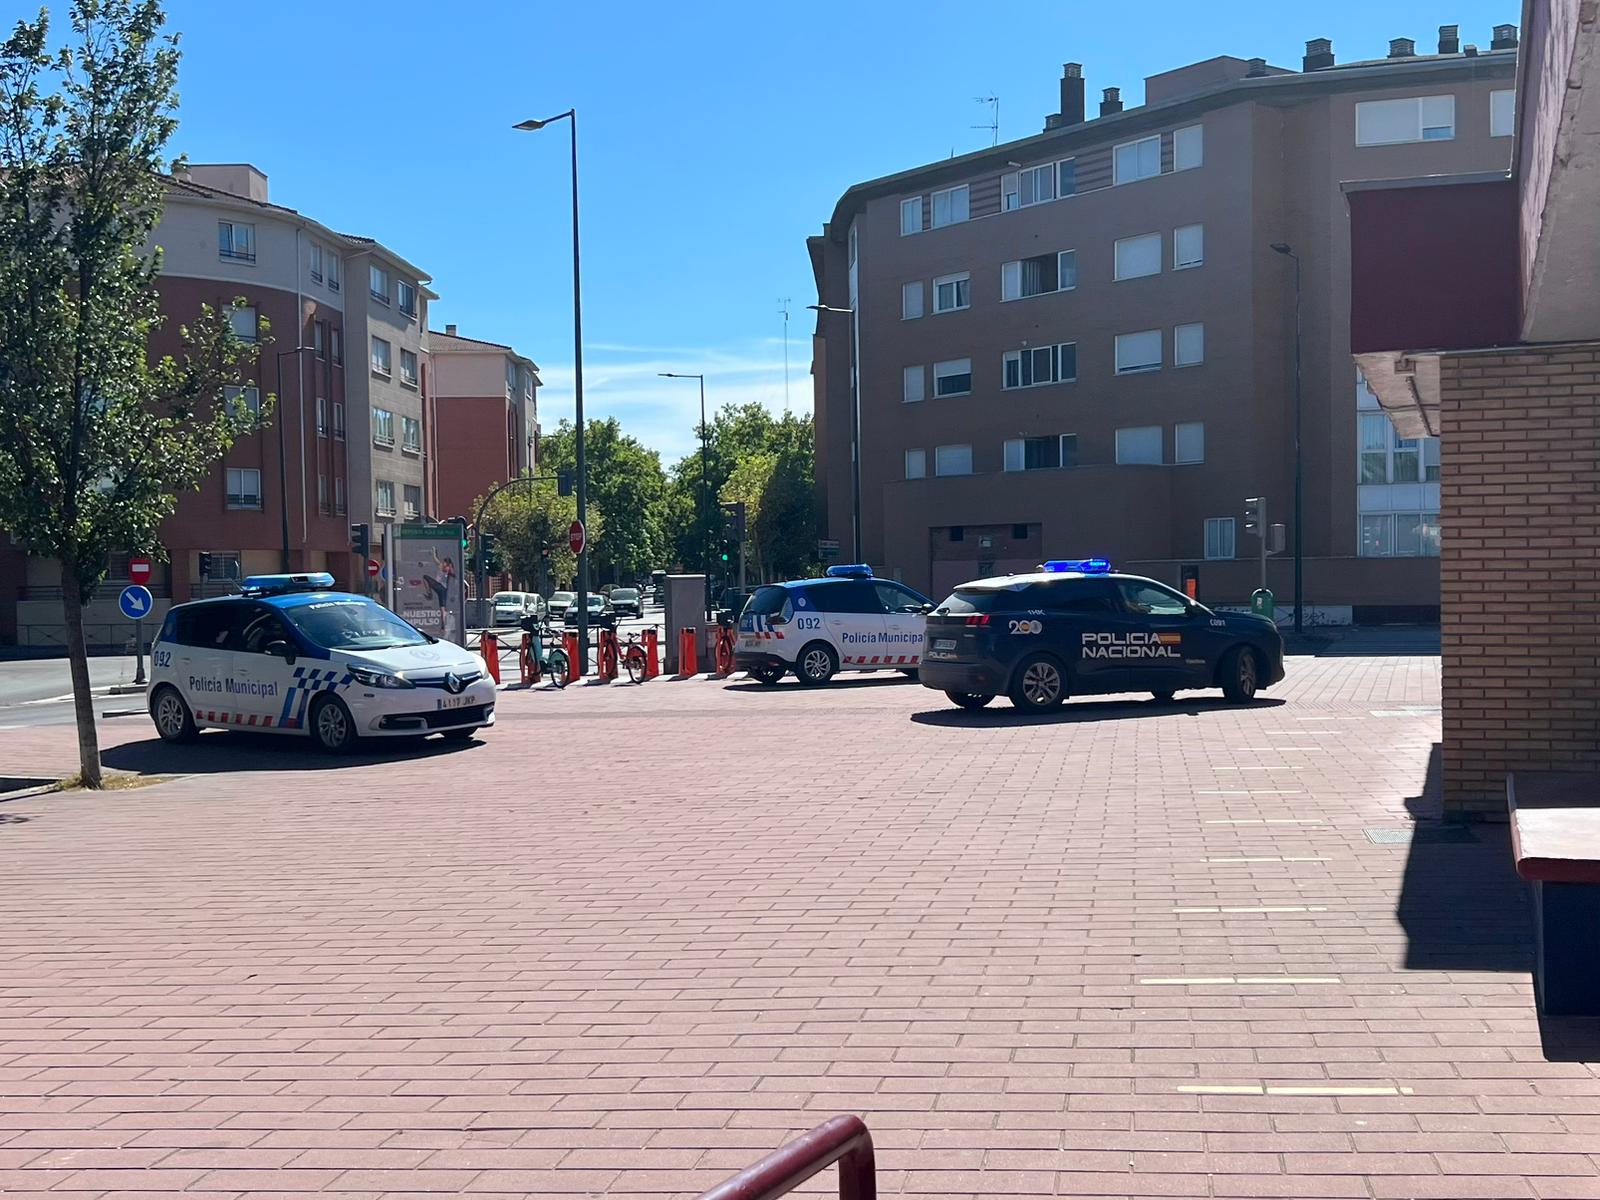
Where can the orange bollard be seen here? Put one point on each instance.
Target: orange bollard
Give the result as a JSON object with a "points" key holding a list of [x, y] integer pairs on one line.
{"points": [[575, 665], [526, 666], [652, 654], [490, 645], [688, 651]]}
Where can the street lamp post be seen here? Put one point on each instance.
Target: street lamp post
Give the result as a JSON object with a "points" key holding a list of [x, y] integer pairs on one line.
{"points": [[705, 476], [1299, 466], [571, 117], [283, 455], [855, 424]]}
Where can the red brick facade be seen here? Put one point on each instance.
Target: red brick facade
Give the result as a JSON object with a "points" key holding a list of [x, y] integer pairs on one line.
{"points": [[1520, 577]]}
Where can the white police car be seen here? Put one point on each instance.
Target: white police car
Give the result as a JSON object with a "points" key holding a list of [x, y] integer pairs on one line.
{"points": [[816, 628], [291, 655]]}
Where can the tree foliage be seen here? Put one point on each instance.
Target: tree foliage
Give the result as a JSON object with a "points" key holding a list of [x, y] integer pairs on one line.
{"points": [[626, 482], [531, 516], [96, 438]]}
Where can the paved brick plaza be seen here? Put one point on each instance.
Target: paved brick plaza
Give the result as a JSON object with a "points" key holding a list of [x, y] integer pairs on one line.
{"points": [[640, 935]]}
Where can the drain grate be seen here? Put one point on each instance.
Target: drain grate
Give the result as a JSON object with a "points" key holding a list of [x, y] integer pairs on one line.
{"points": [[1424, 835]]}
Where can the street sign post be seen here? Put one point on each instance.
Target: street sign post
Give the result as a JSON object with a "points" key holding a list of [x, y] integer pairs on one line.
{"points": [[139, 569], [577, 537], [135, 603]]}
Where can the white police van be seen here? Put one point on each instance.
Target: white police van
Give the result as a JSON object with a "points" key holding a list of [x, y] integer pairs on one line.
{"points": [[291, 655], [848, 621]]}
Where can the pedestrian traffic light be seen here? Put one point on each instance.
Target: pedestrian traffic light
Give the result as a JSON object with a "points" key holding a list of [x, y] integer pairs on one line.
{"points": [[564, 483], [1254, 515], [361, 539], [733, 519], [489, 553], [205, 564], [466, 533]]}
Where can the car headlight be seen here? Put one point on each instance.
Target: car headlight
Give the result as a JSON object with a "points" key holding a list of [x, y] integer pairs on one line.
{"points": [[368, 677]]}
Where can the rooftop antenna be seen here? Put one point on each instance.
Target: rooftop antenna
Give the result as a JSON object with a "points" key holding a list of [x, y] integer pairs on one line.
{"points": [[783, 307], [993, 123]]}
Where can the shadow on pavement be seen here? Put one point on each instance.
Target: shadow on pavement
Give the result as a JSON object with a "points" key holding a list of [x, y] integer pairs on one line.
{"points": [[788, 684], [1074, 712], [218, 751]]}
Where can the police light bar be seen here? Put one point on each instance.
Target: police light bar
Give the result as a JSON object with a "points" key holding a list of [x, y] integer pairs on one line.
{"points": [[850, 571], [1083, 566], [278, 585]]}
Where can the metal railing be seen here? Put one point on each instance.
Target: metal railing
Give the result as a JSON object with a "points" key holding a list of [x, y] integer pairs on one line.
{"points": [[843, 1140]]}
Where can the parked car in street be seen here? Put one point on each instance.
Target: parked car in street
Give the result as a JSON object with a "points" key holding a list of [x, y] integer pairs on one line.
{"points": [[510, 607], [597, 609], [559, 603], [626, 602]]}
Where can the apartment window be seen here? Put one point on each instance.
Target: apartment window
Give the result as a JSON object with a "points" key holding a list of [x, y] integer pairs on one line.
{"points": [[322, 492], [1502, 113], [336, 342], [1039, 365], [1139, 444], [1430, 460], [319, 341], [408, 298], [338, 493], [316, 261], [1035, 276], [1400, 535], [950, 206], [916, 464], [322, 416], [413, 499], [911, 300], [338, 421], [911, 216], [1066, 177], [411, 435], [952, 377], [1414, 119], [1189, 443], [951, 292], [380, 356], [1188, 345], [1138, 256], [1138, 351], [332, 263], [408, 367], [1188, 147], [249, 398], [1220, 537], [378, 283], [1136, 160], [243, 320], [912, 383], [1069, 449], [952, 460], [236, 241], [1385, 457], [382, 427], [1039, 453], [385, 498], [244, 487], [1188, 246], [1031, 185]]}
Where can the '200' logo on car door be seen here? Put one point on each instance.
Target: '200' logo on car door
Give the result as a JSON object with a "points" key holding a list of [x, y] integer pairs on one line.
{"points": [[1026, 627]]}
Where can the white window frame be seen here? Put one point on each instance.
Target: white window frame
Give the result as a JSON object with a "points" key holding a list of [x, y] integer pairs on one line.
{"points": [[375, 274], [338, 420], [1195, 453], [965, 364], [1191, 332], [383, 509], [1061, 452], [953, 282], [950, 196], [1139, 368], [1134, 251], [1066, 287], [1503, 113], [402, 290], [1390, 518], [916, 464], [1144, 431], [1221, 533], [249, 394], [1138, 146], [910, 217], [938, 453], [1188, 147], [1011, 277], [382, 427], [414, 378], [234, 245], [385, 367], [316, 261], [408, 443], [914, 380], [1027, 364], [235, 494], [1417, 130], [1014, 452], [245, 314], [911, 300], [333, 271], [1196, 255], [412, 511]]}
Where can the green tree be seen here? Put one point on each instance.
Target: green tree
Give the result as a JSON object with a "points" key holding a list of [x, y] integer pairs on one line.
{"points": [[528, 518], [627, 483], [747, 484], [96, 438]]}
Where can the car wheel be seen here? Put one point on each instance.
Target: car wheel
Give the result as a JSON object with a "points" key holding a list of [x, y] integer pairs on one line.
{"points": [[332, 727], [1040, 684], [1240, 675], [174, 721], [768, 675], [971, 701], [816, 664], [1164, 696]]}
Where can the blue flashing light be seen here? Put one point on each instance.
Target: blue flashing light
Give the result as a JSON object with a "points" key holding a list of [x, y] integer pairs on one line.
{"points": [[279, 585], [850, 571], [1083, 566]]}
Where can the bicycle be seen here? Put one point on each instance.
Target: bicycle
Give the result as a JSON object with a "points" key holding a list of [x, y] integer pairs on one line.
{"points": [[724, 645], [546, 651], [632, 653]]}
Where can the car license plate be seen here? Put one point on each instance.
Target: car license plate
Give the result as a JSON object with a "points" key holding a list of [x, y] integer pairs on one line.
{"points": [[944, 644], [465, 700]]}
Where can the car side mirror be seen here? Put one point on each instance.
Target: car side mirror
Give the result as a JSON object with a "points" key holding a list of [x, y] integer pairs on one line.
{"points": [[280, 649]]}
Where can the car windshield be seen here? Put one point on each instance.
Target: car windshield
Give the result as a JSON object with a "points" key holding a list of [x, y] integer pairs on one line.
{"points": [[506, 599], [353, 624], [625, 594], [565, 597]]}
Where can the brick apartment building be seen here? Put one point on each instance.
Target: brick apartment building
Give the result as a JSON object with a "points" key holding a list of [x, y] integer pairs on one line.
{"points": [[486, 417], [1082, 342], [1497, 353], [351, 425]]}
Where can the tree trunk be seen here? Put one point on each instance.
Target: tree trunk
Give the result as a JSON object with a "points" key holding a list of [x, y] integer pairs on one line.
{"points": [[78, 662]]}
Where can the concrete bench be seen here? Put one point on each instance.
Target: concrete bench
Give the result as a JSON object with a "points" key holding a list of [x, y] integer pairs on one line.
{"points": [[1555, 840]]}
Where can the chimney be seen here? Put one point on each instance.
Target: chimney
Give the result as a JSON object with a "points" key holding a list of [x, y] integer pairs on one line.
{"points": [[1072, 94], [1256, 69], [1505, 38], [1471, 51], [1111, 102], [450, 330], [1402, 48], [1449, 39], [1319, 55]]}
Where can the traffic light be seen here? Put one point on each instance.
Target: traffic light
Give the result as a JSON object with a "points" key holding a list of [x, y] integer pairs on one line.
{"points": [[733, 520], [563, 483], [489, 553], [1255, 509], [361, 539], [544, 551], [466, 533], [205, 564]]}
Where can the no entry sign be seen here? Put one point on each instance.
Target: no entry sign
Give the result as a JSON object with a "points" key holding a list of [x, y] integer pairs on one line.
{"points": [[373, 567], [575, 537], [139, 569]]}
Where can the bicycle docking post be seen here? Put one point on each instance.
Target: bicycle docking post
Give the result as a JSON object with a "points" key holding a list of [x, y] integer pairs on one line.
{"points": [[527, 663], [688, 652], [606, 659], [575, 665], [490, 645], [652, 654]]}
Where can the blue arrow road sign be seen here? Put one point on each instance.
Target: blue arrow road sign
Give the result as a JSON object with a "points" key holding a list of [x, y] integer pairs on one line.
{"points": [[135, 602]]}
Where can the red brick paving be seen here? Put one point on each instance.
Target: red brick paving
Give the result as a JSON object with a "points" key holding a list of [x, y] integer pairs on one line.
{"points": [[640, 935]]}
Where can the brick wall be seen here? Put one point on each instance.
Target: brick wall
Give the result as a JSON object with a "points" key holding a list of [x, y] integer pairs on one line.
{"points": [[1520, 568]]}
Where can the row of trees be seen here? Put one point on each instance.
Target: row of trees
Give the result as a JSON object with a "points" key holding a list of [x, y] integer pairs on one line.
{"points": [[642, 517]]}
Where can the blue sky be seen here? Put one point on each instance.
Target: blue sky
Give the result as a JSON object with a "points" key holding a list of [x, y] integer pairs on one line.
{"points": [[714, 138]]}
